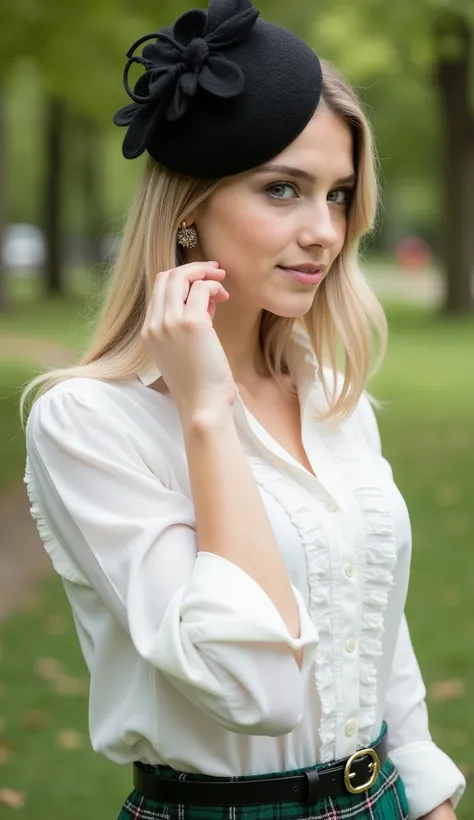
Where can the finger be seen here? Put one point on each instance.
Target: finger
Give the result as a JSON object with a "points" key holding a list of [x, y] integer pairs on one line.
{"points": [[179, 283], [197, 270], [190, 266], [211, 308], [200, 295], [174, 284], [156, 305], [219, 297]]}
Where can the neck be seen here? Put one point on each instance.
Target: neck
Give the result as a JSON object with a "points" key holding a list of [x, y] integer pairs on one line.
{"points": [[239, 337]]}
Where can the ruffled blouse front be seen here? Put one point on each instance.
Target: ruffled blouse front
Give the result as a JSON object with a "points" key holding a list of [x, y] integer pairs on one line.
{"points": [[184, 649]]}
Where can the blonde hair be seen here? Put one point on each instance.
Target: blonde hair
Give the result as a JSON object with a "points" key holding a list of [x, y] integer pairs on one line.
{"points": [[343, 319]]}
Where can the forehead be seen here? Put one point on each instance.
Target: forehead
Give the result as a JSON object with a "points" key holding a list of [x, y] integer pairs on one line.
{"points": [[325, 144]]}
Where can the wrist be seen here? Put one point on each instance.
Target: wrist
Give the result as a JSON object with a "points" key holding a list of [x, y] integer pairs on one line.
{"points": [[443, 812], [206, 420]]}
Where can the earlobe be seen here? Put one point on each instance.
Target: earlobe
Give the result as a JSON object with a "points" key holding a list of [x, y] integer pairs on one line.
{"points": [[191, 217]]}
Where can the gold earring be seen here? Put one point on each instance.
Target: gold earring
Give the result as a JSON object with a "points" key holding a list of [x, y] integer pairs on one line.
{"points": [[187, 237]]}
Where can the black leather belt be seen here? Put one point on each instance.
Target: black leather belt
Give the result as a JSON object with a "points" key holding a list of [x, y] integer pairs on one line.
{"points": [[355, 775]]}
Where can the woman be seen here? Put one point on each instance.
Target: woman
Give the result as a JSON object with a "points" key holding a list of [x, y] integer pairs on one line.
{"points": [[209, 486]]}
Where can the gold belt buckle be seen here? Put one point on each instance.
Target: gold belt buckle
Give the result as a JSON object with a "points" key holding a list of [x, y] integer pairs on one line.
{"points": [[374, 766]]}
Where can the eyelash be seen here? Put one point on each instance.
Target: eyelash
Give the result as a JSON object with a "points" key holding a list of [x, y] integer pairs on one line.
{"points": [[347, 191], [282, 183]]}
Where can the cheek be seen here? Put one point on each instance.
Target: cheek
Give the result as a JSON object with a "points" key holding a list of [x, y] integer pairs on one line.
{"points": [[264, 234], [247, 227], [340, 225]]}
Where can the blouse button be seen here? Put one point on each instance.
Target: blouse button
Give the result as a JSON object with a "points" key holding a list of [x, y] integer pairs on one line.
{"points": [[351, 727], [331, 505], [351, 646], [349, 570]]}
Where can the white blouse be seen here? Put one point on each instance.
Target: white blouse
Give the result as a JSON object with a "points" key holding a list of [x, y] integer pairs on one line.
{"points": [[183, 648]]}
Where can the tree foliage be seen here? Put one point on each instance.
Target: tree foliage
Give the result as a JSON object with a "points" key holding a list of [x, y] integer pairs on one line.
{"points": [[414, 61], [393, 52]]}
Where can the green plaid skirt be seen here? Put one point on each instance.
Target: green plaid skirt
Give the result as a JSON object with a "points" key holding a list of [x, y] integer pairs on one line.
{"points": [[386, 800]]}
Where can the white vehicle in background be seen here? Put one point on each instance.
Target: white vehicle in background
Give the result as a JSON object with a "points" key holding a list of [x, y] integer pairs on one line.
{"points": [[23, 249]]}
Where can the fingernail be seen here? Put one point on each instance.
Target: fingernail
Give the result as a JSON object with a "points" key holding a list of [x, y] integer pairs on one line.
{"points": [[213, 263]]}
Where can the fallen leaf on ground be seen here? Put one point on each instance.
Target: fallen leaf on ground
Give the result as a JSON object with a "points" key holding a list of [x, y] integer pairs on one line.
{"points": [[64, 685], [55, 624], [49, 668], [451, 596], [53, 670], [443, 690], [69, 739], [12, 799], [6, 748], [35, 719]]}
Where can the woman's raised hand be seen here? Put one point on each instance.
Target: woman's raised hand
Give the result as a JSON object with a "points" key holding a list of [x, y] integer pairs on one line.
{"points": [[179, 336]]}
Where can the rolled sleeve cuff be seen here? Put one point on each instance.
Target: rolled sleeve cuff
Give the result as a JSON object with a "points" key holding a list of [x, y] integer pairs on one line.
{"points": [[224, 645], [430, 777], [246, 612]]}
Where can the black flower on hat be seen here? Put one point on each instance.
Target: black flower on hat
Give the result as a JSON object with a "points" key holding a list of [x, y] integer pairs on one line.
{"points": [[177, 64]]}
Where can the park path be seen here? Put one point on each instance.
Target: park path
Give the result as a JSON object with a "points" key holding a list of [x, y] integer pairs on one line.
{"points": [[24, 562], [37, 351], [23, 559]]}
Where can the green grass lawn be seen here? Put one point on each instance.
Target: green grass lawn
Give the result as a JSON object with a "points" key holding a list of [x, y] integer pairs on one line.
{"points": [[63, 321], [12, 449], [428, 436]]}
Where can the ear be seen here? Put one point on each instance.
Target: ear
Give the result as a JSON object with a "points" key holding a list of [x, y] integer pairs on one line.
{"points": [[192, 216]]}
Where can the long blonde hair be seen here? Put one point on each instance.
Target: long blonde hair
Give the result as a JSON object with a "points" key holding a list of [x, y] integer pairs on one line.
{"points": [[345, 318]]}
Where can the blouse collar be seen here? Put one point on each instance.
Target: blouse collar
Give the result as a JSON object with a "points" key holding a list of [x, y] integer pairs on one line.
{"points": [[301, 359], [304, 368]]}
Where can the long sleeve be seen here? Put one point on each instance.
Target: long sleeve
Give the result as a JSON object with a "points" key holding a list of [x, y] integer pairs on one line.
{"points": [[429, 775], [110, 523]]}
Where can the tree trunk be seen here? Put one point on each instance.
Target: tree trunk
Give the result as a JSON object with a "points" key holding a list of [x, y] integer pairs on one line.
{"points": [[452, 76], [4, 301], [52, 208], [92, 180]]}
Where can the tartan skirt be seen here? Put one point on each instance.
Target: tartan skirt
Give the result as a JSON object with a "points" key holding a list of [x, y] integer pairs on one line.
{"points": [[385, 800]]}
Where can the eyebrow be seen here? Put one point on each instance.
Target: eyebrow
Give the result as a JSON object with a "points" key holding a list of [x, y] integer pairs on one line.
{"points": [[298, 172]]}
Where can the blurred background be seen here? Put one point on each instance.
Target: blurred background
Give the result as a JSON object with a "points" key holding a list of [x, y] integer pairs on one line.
{"points": [[64, 188]]}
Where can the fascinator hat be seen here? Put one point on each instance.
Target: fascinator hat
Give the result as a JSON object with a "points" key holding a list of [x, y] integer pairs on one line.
{"points": [[222, 91]]}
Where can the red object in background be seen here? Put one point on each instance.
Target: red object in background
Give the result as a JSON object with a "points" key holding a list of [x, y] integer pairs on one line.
{"points": [[413, 253]]}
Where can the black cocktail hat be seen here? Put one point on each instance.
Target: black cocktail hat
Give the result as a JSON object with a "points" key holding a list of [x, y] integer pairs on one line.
{"points": [[223, 91]]}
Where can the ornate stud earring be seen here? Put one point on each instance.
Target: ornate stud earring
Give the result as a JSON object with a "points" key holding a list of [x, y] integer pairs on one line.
{"points": [[187, 237]]}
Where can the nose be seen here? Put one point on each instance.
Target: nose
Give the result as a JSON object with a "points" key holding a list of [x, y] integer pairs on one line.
{"points": [[320, 227]]}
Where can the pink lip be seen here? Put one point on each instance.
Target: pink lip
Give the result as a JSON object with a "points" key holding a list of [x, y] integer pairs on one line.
{"points": [[301, 276]]}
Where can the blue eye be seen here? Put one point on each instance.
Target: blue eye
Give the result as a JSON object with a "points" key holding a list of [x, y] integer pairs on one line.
{"points": [[278, 190], [342, 196]]}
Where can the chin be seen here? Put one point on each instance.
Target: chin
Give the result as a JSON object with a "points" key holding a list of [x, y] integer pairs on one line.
{"points": [[291, 306]]}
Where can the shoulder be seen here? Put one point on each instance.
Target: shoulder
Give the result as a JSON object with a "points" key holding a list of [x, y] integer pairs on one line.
{"points": [[85, 409], [79, 389], [84, 389], [110, 426], [73, 401]]}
